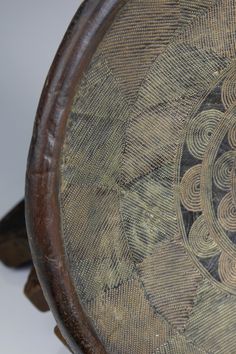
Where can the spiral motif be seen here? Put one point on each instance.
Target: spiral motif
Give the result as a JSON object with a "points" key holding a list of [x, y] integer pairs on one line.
{"points": [[234, 182], [229, 89], [200, 131], [223, 170], [227, 213], [201, 241], [227, 270], [211, 138], [190, 189], [232, 136]]}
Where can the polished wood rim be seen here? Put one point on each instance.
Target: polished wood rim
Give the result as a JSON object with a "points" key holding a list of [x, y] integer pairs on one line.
{"points": [[42, 180]]}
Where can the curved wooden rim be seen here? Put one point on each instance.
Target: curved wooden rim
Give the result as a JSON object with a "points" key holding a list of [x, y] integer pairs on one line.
{"points": [[42, 179]]}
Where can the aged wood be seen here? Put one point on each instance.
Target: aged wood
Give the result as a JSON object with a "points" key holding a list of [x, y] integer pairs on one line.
{"points": [[14, 247], [131, 206], [33, 291], [42, 208], [59, 335]]}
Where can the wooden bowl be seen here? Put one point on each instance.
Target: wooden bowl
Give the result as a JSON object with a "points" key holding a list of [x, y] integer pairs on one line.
{"points": [[130, 191]]}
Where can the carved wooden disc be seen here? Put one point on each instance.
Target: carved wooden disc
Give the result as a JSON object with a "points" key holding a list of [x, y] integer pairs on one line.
{"points": [[131, 193]]}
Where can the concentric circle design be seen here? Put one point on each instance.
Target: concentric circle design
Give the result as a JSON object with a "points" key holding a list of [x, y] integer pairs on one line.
{"points": [[200, 240], [201, 130], [229, 89], [223, 171], [190, 189], [227, 213], [142, 177], [216, 191], [227, 270], [232, 136]]}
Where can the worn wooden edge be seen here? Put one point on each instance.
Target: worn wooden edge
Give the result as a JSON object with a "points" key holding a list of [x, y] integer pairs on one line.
{"points": [[42, 179], [33, 291], [57, 332]]}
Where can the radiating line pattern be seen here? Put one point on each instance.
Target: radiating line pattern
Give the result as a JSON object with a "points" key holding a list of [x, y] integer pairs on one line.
{"points": [[212, 321], [140, 33], [179, 344], [148, 180], [167, 270], [127, 304]]}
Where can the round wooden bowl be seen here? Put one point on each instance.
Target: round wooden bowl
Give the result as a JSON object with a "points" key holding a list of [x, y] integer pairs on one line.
{"points": [[130, 190]]}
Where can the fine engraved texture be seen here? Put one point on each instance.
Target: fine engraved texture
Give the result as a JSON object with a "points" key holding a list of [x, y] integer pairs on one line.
{"points": [[148, 180]]}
